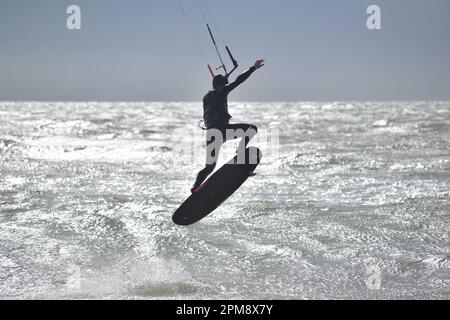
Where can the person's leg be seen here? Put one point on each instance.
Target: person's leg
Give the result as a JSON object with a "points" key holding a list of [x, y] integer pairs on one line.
{"points": [[214, 141], [202, 175], [241, 130], [244, 131]]}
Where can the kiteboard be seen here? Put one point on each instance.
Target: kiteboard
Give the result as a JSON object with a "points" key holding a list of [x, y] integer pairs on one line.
{"points": [[218, 188]]}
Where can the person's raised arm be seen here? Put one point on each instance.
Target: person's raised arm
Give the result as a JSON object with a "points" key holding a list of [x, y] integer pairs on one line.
{"points": [[241, 78]]}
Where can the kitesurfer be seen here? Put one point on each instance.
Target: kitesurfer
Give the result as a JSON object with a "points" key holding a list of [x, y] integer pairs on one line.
{"points": [[217, 121]]}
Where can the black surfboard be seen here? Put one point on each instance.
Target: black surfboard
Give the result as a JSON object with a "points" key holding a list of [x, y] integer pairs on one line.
{"points": [[218, 188]]}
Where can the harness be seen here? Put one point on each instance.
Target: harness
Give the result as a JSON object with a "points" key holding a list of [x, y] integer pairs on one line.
{"points": [[201, 125]]}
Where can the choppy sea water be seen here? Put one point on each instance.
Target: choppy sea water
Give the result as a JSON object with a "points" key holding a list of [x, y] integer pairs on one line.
{"points": [[354, 204]]}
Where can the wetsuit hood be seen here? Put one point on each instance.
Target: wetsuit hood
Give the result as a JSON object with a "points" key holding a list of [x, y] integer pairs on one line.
{"points": [[219, 81]]}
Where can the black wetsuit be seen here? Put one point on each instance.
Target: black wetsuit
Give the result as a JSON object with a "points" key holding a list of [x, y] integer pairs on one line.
{"points": [[215, 103], [216, 116]]}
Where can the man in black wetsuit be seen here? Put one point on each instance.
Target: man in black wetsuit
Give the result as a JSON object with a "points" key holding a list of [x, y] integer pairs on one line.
{"points": [[217, 120]]}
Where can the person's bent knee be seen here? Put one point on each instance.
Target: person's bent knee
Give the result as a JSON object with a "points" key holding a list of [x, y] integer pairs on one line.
{"points": [[210, 166], [252, 130]]}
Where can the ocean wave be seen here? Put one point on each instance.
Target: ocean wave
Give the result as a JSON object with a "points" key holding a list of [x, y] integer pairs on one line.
{"points": [[6, 143], [437, 262], [311, 159]]}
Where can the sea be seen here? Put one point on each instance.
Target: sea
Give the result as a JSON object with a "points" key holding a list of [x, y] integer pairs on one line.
{"points": [[350, 201]]}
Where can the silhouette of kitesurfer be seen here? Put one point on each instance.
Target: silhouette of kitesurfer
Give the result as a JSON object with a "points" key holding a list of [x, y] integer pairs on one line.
{"points": [[217, 121]]}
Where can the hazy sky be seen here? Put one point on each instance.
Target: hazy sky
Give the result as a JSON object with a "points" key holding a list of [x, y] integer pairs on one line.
{"points": [[143, 50]]}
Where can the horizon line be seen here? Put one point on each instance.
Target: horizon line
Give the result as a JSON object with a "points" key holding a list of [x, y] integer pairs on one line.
{"points": [[199, 101]]}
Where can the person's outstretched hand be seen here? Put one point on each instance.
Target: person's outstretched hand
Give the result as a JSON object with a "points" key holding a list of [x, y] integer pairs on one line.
{"points": [[259, 64]]}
